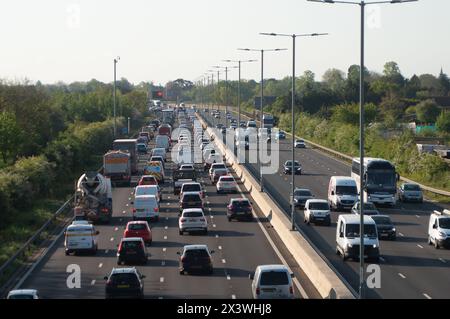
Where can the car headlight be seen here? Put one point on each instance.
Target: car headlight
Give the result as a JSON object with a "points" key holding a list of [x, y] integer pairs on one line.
{"points": [[442, 234], [374, 246], [349, 245], [393, 229]]}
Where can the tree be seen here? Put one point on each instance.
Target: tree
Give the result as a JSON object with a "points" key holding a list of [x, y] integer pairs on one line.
{"points": [[392, 74], [443, 122], [427, 111], [335, 79], [10, 136], [444, 82]]}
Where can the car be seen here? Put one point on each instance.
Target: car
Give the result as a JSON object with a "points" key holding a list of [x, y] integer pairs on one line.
{"points": [[410, 192], [385, 227], [439, 229], [154, 190], [214, 166], [369, 209], [239, 208], [158, 159], [159, 152], [123, 283], [288, 167], [280, 135], [80, 222], [187, 167], [226, 183], [242, 124], [272, 282], [142, 148], [192, 187], [251, 124], [132, 250], [299, 143], [138, 229], [233, 126], [156, 169], [23, 294], [217, 173], [80, 238], [195, 258], [145, 207], [301, 195], [190, 200], [191, 220], [147, 180], [317, 211]]}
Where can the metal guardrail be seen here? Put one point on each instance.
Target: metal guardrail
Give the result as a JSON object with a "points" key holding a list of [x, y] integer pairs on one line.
{"points": [[350, 158]]}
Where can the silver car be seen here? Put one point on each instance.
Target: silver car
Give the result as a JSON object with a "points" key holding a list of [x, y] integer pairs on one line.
{"points": [[369, 209], [410, 192]]}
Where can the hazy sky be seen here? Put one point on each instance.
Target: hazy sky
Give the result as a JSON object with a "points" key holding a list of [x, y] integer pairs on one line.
{"points": [[76, 40]]}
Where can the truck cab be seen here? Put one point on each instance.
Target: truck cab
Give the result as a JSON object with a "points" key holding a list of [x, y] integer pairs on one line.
{"points": [[439, 229]]}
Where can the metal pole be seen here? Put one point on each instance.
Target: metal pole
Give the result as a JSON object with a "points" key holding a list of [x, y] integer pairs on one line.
{"points": [[129, 126], [114, 99], [239, 97], [293, 134], [218, 91], [361, 167], [260, 119], [226, 96]]}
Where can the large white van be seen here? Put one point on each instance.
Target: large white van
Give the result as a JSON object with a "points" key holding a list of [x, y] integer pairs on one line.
{"points": [[348, 238], [145, 207], [342, 192], [79, 238], [439, 229], [272, 282], [162, 141]]}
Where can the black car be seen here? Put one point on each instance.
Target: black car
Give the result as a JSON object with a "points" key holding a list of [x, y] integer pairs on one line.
{"points": [[131, 251], [191, 200], [196, 258], [124, 283], [288, 168], [385, 227], [239, 208]]}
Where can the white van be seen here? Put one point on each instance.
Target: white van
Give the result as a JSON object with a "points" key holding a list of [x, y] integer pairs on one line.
{"points": [[342, 192], [154, 190], [272, 282], [79, 238], [439, 229], [145, 207], [162, 141], [348, 239]]}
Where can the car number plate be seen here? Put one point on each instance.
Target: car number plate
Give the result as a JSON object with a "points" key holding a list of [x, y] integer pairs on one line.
{"points": [[123, 286]]}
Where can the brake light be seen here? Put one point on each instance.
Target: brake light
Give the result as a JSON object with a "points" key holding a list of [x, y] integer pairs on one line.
{"points": [[183, 259], [104, 210], [182, 220], [134, 210], [258, 291], [202, 220], [156, 209]]}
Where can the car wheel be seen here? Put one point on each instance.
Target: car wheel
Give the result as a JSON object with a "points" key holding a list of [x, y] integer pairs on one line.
{"points": [[180, 232], [181, 272], [436, 245], [229, 219], [429, 240], [67, 253], [205, 232]]}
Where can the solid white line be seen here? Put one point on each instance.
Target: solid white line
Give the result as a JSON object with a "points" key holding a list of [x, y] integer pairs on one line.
{"points": [[427, 296], [401, 275], [93, 282]]}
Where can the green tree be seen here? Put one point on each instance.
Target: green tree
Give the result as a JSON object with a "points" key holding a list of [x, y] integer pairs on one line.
{"points": [[10, 136], [443, 122], [427, 111], [444, 82]]}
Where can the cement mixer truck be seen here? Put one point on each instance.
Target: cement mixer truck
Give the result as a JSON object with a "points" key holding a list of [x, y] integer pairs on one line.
{"points": [[93, 198]]}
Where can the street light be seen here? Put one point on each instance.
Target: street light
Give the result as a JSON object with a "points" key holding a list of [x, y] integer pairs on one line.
{"points": [[114, 98], [261, 180], [362, 4], [226, 88], [239, 85], [293, 36]]}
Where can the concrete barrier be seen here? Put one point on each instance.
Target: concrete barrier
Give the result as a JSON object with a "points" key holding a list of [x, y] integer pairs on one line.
{"points": [[326, 281]]}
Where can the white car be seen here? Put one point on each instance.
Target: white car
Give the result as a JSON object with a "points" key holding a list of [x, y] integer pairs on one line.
{"points": [[81, 238], [23, 294], [154, 190], [187, 167], [272, 282], [317, 211], [299, 143], [192, 219], [226, 184], [216, 166], [192, 187], [159, 152]]}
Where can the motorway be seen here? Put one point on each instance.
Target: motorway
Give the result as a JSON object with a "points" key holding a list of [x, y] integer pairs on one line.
{"points": [[239, 248], [409, 267]]}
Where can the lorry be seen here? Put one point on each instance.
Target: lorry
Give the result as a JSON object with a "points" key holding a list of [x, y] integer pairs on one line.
{"points": [[130, 146], [93, 198], [182, 176], [117, 167]]}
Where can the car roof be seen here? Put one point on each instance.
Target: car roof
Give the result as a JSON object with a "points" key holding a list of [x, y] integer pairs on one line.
{"points": [[191, 183], [22, 292], [191, 210], [81, 227], [302, 189], [317, 201], [273, 268], [355, 219], [195, 247], [125, 270], [344, 180], [191, 193]]}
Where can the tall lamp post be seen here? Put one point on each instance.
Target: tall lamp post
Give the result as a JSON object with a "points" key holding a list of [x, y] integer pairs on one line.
{"points": [[226, 68], [362, 5], [114, 96], [294, 37], [261, 175], [239, 62]]}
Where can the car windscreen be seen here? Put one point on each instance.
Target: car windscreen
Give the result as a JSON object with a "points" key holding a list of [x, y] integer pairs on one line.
{"points": [[146, 191], [131, 244], [382, 220], [192, 198], [21, 297], [241, 203], [218, 166], [192, 214], [274, 278], [196, 253], [137, 227], [183, 175], [220, 171], [444, 223], [302, 193], [411, 187], [192, 188], [319, 206], [227, 179], [289, 164], [346, 190], [125, 279], [352, 230]]}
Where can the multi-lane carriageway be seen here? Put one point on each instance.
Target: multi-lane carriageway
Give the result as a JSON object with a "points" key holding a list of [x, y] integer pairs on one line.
{"points": [[409, 267], [239, 248]]}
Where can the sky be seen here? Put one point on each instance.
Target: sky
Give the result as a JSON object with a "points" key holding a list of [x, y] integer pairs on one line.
{"points": [[159, 41]]}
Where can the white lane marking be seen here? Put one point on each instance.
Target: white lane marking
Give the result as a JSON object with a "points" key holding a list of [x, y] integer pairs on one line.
{"points": [[168, 204], [233, 296], [382, 259], [220, 247], [129, 198], [420, 246], [224, 261], [166, 227], [127, 205], [212, 216], [124, 212], [208, 202], [443, 260], [161, 279], [401, 275], [93, 282], [106, 251], [228, 277], [164, 249], [217, 236], [100, 265], [209, 208], [112, 239], [214, 225], [417, 216], [168, 197], [427, 296], [165, 237], [116, 229], [401, 234]]}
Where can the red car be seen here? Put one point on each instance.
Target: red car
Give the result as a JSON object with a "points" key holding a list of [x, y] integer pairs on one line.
{"points": [[138, 229], [148, 180]]}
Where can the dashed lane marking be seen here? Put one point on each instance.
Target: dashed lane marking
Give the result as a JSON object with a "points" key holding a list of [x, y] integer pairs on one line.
{"points": [[228, 277], [161, 279], [165, 237], [233, 296], [224, 261], [420, 246], [427, 296], [164, 249], [100, 265], [112, 239], [401, 275], [93, 282]]}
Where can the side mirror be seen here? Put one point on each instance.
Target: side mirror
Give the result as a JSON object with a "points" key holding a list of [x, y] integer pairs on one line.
{"points": [[97, 232], [341, 234], [292, 275], [251, 276], [434, 226], [178, 253], [142, 276], [105, 278], [397, 176], [332, 193], [212, 251]]}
